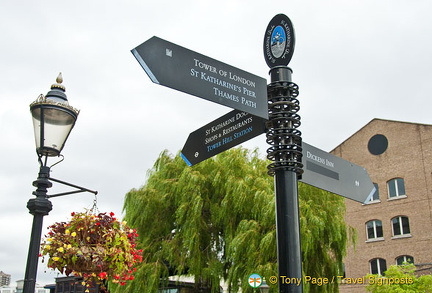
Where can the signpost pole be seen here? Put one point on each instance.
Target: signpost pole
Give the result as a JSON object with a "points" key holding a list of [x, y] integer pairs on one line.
{"points": [[288, 231], [286, 149], [286, 152]]}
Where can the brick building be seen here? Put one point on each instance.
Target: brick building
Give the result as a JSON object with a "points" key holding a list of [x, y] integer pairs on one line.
{"points": [[396, 225]]}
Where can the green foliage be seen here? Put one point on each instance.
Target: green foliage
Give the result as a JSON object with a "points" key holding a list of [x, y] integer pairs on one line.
{"points": [[216, 221], [324, 235], [399, 279]]}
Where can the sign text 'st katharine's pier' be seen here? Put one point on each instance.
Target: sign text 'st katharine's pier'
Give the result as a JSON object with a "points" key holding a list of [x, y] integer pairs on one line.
{"points": [[196, 74], [237, 89]]}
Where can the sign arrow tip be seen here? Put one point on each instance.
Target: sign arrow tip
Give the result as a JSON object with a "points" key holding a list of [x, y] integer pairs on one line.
{"points": [[186, 160], [145, 66]]}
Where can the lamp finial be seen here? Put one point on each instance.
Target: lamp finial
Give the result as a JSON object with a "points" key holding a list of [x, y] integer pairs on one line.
{"points": [[59, 78], [58, 85]]}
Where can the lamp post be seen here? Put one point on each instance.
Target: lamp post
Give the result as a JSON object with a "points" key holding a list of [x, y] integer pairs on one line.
{"points": [[264, 288], [53, 120]]}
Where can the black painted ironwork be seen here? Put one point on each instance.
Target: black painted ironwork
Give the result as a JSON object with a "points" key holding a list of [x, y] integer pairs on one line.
{"points": [[286, 153], [40, 207], [282, 128]]}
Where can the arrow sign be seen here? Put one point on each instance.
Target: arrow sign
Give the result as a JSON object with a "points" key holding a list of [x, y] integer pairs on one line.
{"points": [[220, 135], [321, 169], [179, 68], [334, 174]]}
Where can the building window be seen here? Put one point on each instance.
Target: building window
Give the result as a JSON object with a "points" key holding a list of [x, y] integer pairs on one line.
{"points": [[400, 226], [374, 230], [396, 188], [375, 195], [377, 144], [378, 266], [404, 259]]}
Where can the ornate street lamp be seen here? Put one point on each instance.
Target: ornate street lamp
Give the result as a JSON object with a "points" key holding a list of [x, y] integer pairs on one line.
{"points": [[53, 120]]}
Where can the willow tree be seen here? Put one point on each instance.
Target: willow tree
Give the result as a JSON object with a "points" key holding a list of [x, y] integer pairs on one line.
{"points": [[216, 221]]}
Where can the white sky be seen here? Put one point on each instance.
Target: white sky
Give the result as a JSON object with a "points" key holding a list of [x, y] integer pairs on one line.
{"points": [[353, 61]]}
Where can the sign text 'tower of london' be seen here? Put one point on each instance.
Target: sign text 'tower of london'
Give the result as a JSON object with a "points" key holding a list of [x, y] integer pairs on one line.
{"points": [[190, 72]]}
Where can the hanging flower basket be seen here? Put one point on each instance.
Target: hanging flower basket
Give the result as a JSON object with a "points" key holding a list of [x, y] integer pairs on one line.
{"points": [[97, 248]]}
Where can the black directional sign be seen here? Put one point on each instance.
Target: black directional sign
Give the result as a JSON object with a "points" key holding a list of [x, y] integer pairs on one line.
{"points": [[321, 169], [220, 135], [334, 174], [182, 69]]}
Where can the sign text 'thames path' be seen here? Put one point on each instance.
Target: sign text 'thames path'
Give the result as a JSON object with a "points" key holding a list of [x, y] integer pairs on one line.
{"points": [[190, 72]]}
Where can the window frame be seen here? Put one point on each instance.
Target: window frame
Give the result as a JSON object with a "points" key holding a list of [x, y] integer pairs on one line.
{"points": [[376, 238], [398, 186], [403, 233], [375, 194], [379, 263], [406, 258]]}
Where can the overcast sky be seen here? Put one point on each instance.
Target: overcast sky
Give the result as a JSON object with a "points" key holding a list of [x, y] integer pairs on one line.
{"points": [[353, 61]]}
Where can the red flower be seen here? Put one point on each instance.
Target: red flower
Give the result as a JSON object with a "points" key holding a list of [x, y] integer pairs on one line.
{"points": [[103, 275]]}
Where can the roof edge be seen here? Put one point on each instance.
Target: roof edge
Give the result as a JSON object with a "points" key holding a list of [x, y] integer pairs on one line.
{"points": [[375, 119]]}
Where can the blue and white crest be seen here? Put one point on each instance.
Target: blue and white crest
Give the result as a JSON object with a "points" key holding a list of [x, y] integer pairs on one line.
{"points": [[279, 41]]}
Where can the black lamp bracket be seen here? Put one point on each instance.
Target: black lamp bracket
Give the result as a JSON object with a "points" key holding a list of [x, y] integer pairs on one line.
{"points": [[45, 178], [80, 189], [44, 181], [45, 161]]}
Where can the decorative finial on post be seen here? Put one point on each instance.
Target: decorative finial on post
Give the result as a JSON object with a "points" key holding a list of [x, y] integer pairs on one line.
{"points": [[58, 85], [59, 78]]}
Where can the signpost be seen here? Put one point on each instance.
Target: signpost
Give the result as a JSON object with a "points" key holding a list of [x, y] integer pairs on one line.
{"points": [[187, 71], [220, 135], [258, 108]]}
